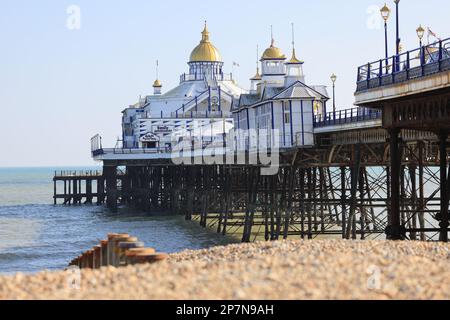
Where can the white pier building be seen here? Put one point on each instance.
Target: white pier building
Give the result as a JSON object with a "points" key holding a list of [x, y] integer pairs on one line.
{"points": [[203, 98], [208, 101], [281, 100]]}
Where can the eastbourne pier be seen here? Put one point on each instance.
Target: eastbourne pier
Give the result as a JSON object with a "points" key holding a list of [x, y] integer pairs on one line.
{"points": [[375, 171]]}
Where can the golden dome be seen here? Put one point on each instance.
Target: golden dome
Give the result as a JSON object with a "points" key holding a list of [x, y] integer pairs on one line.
{"points": [[273, 53], [257, 76], [157, 84], [294, 59], [205, 51]]}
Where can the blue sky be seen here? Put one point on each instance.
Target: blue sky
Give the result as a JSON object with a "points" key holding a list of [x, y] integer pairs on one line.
{"points": [[59, 87]]}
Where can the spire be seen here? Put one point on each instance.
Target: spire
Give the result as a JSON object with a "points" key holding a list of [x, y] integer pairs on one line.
{"points": [[157, 69], [205, 33], [294, 59], [272, 53], [205, 51], [272, 40], [257, 75]]}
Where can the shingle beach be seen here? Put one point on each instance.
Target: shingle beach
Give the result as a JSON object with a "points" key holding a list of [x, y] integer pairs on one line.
{"points": [[323, 269]]}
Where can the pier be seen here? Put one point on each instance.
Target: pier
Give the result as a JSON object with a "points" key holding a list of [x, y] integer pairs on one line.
{"points": [[78, 187], [372, 172]]}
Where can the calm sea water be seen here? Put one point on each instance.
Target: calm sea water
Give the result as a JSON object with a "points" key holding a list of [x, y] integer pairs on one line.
{"points": [[36, 235]]}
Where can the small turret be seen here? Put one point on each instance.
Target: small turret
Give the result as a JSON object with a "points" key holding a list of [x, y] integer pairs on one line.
{"points": [[294, 67], [273, 68], [157, 85], [256, 79]]}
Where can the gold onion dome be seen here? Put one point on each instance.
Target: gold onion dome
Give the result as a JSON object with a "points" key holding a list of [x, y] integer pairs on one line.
{"points": [[157, 84], [294, 59], [257, 76], [273, 53], [205, 51]]}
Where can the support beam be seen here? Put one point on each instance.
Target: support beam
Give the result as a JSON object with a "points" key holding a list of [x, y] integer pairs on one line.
{"points": [[110, 175], [395, 231], [444, 222]]}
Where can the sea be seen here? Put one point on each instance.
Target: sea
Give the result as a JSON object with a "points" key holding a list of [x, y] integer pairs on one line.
{"points": [[36, 235]]}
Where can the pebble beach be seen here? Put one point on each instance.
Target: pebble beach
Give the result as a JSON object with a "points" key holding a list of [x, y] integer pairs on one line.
{"points": [[284, 270]]}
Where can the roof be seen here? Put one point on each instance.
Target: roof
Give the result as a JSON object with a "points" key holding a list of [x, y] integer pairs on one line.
{"points": [[273, 53], [205, 51], [297, 90]]}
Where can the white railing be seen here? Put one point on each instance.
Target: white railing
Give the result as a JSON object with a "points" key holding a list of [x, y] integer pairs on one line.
{"points": [[201, 114]]}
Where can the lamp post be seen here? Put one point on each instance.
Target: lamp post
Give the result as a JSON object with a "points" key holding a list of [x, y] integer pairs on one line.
{"points": [[397, 44], [333, 80], [385, 13], [420, 33]]}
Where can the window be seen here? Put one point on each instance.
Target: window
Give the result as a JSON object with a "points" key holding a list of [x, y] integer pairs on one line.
{"points": [[286, 112], [287, 118]]}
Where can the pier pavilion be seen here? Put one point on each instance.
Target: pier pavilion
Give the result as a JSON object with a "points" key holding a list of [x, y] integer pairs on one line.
{"points": [[203, 98]]}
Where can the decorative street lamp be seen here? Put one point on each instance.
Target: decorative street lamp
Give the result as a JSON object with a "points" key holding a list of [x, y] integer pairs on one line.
{"points": [[385, 13], [333, 80], [420, 33], [397, 45]]}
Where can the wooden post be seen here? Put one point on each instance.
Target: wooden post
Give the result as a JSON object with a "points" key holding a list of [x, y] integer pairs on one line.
{"points": [[54, 191], [89, 190], [110, 175]]}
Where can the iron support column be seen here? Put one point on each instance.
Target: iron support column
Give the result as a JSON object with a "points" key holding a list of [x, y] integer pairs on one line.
{"points": [[110, 174], [444, 223], [395, 231]]}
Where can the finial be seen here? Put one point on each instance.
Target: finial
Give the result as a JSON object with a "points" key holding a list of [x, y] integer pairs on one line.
{"points": [[157, 83], [157, 69], [294, 59], [205, 33], [257, 59], [271, 35], [257, 75], [293, 36]]}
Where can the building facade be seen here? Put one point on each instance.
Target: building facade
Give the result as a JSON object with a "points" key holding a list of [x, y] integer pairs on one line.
{"points": [[280, 105], [203, 99], [210, 103]]}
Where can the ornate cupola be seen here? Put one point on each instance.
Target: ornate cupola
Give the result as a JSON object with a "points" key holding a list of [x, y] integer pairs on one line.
{"points": [[157, 87], [205, 59], [273, 68], [294, 67], [256, 79]]}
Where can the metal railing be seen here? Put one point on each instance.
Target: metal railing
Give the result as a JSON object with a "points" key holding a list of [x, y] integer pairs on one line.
{"points": [[103, 151], [197, 77], [78, 173], [346, 116], [417, 63], [200, 114]]}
